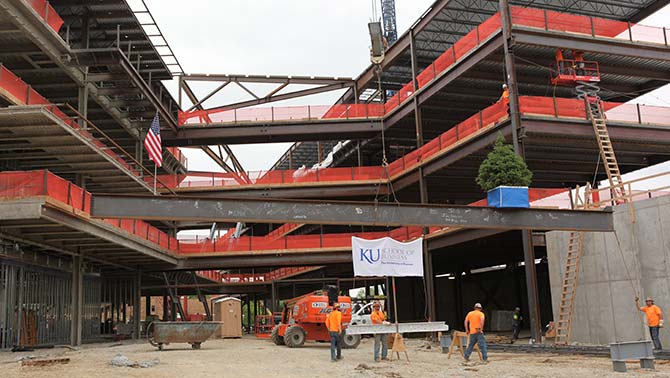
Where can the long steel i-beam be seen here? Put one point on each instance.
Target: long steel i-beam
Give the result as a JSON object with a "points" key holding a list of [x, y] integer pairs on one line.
{"points": [[345, 213]]}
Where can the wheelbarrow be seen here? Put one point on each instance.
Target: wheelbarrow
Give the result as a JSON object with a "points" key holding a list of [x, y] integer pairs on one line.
{"points": [[194, 333]]}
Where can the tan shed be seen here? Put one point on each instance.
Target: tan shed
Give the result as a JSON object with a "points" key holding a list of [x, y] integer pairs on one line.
{"points": [[228, 310]]}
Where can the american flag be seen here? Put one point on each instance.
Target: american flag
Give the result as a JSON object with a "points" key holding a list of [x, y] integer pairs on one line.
{"points": [[152, 142]]}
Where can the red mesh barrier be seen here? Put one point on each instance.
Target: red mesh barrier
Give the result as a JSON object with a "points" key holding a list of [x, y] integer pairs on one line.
{"points": [[47, 13], [465, 44], [426, 75], [76, 195], [57, 188], [444, 61], [406, 92], [489, 26], [528, 17], [13, 86], [22, 184], [609, 28]]}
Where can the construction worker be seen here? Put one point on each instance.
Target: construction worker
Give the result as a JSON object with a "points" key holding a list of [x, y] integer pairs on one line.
{"points": [[578, 56], [504, 98], [516, 324], [334, 325], [559, 61], [474, 327], [654, 319], [378, 317]]}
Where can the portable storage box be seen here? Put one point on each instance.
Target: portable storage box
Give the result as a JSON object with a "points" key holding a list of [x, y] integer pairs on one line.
{"points": [[508, 196]]}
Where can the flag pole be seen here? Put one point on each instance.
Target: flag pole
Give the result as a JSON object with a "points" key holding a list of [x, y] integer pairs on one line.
{"points": [[155, 173]]}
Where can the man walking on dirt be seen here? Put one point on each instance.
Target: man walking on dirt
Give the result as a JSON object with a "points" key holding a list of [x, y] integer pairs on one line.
{"points": [[378, 317], [334, 325], [654, 320], [474, 327]]}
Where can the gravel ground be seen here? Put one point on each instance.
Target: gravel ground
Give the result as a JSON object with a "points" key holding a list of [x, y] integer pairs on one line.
{"points": [[249, 357]]}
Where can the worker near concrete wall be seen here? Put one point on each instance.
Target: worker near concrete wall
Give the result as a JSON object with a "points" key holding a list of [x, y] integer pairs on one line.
{"points": [[654, 319], [474, 327], [334, 325], [378, 317], [516, 324]]}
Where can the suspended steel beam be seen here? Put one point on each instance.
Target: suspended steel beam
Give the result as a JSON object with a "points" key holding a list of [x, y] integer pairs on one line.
{"points": [[345, 213]]}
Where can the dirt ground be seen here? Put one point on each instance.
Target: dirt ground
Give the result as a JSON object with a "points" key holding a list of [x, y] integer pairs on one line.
{"points": [[250, 357]]}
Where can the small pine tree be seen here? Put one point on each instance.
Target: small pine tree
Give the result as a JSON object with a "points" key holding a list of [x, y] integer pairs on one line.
{"points": [[503, 167]]}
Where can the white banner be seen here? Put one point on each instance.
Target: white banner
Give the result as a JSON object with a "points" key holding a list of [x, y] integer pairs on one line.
{"points": [[387, 257]]}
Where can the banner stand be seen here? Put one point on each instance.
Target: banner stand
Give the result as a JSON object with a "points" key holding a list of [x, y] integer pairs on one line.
{"points": [[398, 343]]}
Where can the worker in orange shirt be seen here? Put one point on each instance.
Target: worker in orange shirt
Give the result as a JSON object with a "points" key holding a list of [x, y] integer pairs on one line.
{"points": [[378, 317], [474, 327], [578, 56], [559, 61], [654, 320], [334, 325]]}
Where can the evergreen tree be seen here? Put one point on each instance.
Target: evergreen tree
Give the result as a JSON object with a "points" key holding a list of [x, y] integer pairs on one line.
{"points": [[503, 167]]}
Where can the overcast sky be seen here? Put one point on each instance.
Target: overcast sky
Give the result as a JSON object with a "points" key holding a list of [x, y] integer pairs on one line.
{"points": [[288, 37]]}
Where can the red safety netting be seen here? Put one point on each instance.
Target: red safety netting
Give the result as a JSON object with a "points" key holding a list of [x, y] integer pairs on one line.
{"points": [[47, 13], [18, 92], [522, 16], [529, 105], [22, 184]]}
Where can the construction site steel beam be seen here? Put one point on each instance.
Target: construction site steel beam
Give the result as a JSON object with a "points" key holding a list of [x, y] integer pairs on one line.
{"points": [[253, 210], [608, 46], [271, 132], [271, 79]]}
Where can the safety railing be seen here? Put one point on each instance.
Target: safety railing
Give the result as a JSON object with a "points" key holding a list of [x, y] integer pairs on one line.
{"points": [[44, 183], [19, 92], [529, 106], [47, 13], [645, 187], [521, 16], [587, 25]]}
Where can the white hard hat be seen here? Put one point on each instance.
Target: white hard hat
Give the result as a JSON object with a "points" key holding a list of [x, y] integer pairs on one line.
{"points": [[504, 85], [478, 305]]}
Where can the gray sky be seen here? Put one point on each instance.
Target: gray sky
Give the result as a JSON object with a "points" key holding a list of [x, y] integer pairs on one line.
{"points": [[288, 37]]}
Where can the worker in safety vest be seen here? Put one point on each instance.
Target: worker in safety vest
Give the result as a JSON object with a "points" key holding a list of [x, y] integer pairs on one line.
{"points": [[578, 56], [334, 325], [504, 97], [474, 327], [378, 317], [559, 61], [654, 319], [516, 324]]}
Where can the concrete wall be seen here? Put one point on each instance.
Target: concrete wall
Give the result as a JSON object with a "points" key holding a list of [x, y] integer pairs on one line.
{"points": [[610, 277]]}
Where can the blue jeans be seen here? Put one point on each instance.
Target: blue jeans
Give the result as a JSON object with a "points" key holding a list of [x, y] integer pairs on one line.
{"points": [[653, 331], [335, 343], [476, 338], [380, 338]]}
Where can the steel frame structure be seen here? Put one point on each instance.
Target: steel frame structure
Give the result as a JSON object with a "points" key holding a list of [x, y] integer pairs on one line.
{"points": [[105, 54]]}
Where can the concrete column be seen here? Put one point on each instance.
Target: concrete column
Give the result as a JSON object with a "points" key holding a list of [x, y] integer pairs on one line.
{"points": [[531, 285], [137, 303], [77, 301]]}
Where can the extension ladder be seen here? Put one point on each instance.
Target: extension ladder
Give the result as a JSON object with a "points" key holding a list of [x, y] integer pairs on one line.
{"points": [[594, 111]]}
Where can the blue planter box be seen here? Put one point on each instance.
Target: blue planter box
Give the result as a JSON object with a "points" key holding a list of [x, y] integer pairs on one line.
{"points": [[508, 196]]}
